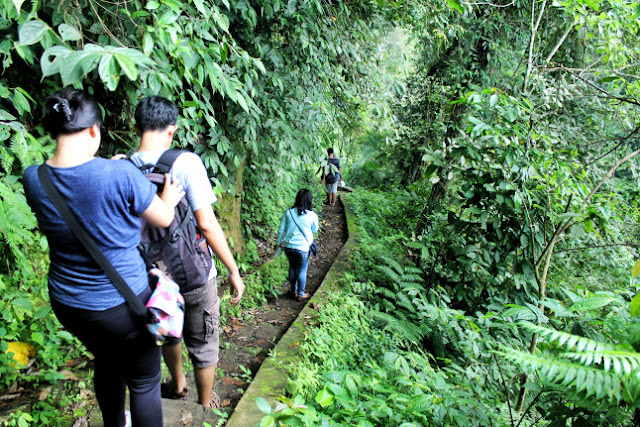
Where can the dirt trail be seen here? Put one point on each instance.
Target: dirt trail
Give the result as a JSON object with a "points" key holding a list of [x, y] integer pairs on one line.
{"points": [[246, 341]]}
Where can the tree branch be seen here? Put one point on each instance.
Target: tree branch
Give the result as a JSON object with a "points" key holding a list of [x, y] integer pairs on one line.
{"points": [[562, 39], [533, 38]]}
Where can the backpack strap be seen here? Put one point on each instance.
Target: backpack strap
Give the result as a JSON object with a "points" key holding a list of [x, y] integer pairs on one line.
{"points": [[166, 160]]}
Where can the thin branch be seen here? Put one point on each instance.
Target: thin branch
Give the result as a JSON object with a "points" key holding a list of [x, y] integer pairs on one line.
{"points": [[610, 174], [104, 27], [533, 38], [562, 39], [529, 407], [506, 389]]}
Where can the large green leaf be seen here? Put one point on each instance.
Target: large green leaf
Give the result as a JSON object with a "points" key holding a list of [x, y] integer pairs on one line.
{"points": [[109, 72], [592, 303], [264, 406], [455, 4], [127, 65], [51, 59], [68, 33], [31, 32], [325, 397], [634, 307]]}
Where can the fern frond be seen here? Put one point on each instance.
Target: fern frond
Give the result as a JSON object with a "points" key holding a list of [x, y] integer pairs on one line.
{"points": [[393, 264], [623, 362], [406, 330], [385, 292], [404, 301], [566, 340], [412, 277], [585, 381], [395, 277]]}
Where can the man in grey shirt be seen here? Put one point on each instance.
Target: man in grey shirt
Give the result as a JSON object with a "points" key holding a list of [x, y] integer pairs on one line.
{"points": [[156, 122]]}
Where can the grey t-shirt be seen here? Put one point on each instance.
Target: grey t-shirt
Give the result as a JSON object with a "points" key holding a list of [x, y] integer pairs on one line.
{"points": [[190, 171]]}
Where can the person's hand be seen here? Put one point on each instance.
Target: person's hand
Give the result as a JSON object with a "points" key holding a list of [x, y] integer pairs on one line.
{"points": [[237, 285], [324, 182], [119, 156], [172, 191]]}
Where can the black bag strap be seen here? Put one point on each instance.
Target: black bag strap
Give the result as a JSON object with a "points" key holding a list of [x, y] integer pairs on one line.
{"points": [[294, 221], [166, 160], [89, 244]]}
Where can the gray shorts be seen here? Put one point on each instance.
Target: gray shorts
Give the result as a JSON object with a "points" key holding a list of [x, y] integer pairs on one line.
{"points": [[331, 188], [201, 325]]}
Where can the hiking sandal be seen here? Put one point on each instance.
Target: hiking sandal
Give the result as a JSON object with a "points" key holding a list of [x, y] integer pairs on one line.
{"points": [[214, 401]]}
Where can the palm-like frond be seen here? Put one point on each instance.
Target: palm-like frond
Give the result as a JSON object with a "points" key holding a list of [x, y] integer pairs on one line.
{"points": [[584, 366]]}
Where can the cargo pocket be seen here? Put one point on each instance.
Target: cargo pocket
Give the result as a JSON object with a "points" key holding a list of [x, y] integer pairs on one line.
{"points": [[210, 324]]}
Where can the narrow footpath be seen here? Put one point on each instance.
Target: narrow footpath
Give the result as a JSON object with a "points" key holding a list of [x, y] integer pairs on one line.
{"points": [[247, 340]]}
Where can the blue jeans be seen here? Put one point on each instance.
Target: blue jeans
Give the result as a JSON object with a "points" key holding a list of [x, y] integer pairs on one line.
{"points": [[298, 264], [125, 356]]}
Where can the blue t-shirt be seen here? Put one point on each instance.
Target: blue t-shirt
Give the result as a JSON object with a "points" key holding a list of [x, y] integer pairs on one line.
{"points": [[107, 197], [332, 177], [293, 238]]}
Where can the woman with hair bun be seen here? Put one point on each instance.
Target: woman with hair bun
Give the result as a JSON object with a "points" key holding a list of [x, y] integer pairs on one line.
{"points": [[107, 198], [296, 228]]}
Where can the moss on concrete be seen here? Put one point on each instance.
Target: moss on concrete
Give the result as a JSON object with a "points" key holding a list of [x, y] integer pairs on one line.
{"points": [[228, 213]]}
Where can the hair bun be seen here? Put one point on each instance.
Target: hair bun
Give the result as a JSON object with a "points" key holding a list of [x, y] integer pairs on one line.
{"points": [[62, 106]]}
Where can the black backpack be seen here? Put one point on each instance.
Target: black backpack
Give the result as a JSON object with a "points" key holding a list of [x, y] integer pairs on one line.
{"points": [[179, 250]]}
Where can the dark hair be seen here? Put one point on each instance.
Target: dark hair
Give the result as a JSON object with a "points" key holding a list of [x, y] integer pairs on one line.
{"points": [[329, 150], [304, 201], [69, 111], [155, 113]]}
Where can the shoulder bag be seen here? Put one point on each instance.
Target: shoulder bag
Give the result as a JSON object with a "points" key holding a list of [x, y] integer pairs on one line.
{"points": [[313, 248], [164, 312]]}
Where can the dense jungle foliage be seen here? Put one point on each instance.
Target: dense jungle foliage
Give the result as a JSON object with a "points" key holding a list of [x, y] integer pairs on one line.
{"points": [[494, 152]]}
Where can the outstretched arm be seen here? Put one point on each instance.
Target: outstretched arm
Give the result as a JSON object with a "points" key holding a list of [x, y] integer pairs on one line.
{"points": [[210, 227]]}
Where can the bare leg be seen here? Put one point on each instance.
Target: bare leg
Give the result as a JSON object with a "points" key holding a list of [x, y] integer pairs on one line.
{"points": [[204, 383], [334, 196], [173, 359]]}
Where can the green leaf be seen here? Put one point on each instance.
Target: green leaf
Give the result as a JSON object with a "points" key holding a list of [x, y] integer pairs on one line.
{"points": [[5, 115], [42, 312], [70, 66], [68, 33], [109, 72], [18, 4], [591, 303], [325, 397], [636, 269], [634, 307], [51, 59], [152, 5], [23, 303], [608, 79], [455, 4], [147, 43], [31, 32], [20, 102], [264, 406], [127, 65], [268, 421]]}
